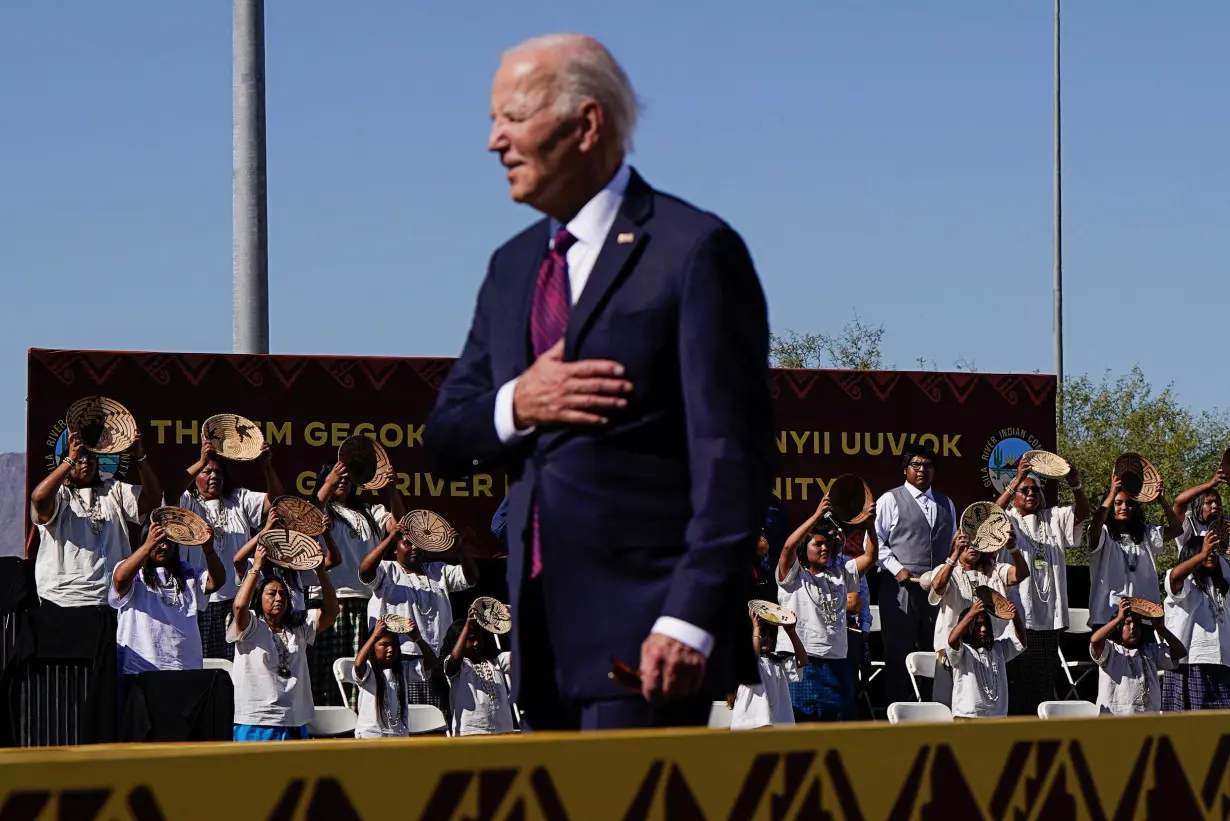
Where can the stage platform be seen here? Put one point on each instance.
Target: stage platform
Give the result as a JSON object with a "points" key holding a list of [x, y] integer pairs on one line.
{"points": [[1165, 767]]}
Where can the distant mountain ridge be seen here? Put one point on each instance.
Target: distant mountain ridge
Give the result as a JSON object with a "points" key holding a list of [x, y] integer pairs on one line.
{"points": [[12, 501]]}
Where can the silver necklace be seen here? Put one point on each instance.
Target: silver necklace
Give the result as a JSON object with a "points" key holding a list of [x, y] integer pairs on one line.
{"points": [[357, 528], [1216, 599], [1130, 551], [93, 511], [217, 520], [1040, 562], [1139, 670], [986, 673], [392, 714], [176, 599], [283, 647], [827, 603], [966, 578]]}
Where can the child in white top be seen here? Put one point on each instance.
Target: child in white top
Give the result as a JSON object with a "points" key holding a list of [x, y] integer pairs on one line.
{"points": [[979, 663], [380, 677], [768, 703], [480, 703], [1127, 669], [158, 600]]}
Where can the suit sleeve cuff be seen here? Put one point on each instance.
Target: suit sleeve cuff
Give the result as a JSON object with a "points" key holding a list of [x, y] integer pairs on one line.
{"points": [[891, 564], [685, 633], [505, 427]]}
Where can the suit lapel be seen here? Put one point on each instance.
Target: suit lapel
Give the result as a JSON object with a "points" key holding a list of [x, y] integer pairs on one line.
{"points": [[522, 294], [623, 244]]}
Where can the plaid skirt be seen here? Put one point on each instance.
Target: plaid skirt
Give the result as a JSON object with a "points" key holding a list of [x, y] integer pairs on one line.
{"points": [[212, 623], [1031, 675], [1196, 687], [824, 691], [342, 640]]}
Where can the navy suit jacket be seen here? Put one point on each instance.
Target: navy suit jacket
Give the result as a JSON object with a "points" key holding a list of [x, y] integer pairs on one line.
{"points": [[657, 512]]}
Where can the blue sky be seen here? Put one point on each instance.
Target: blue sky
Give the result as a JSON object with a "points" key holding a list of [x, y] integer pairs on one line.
{"points": [[889, 157]]}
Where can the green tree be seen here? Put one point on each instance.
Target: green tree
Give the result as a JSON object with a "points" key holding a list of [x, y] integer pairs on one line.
{"points": [[855, 347], [1123, 413]]}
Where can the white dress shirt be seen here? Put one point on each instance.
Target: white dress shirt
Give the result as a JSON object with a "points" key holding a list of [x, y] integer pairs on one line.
{"points": [[886, 520], [590, 227]]}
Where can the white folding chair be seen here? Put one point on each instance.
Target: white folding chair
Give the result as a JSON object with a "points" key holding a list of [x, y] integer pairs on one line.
{"points": [[719, 716], [343, 674], [422, 719], [921, 663], [1078, 625], [332, 722], [218, 664], [877, 666], [1067, 709], [900, 712]]}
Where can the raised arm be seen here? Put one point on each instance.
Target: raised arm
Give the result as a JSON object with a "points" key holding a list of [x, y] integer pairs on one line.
{"points": [[241, 609], [453, 660], [1080, 502], [273, 484], [213, 566], [393, 499], [1174, 520], [360, 658], [151, 490], [1018, 624], [43, 498], [1177, 651], [1097, 642], [957, 634], [1022, 471], [367, 567], [1019, 571], [177, 486], [240, 559], [127, 570], [333, 556], [1190, 495], [871, 548], [800, 654], [941, 575], [1103, 513], [330, 608], [1181, 571], [800, 534], [325, 492]]}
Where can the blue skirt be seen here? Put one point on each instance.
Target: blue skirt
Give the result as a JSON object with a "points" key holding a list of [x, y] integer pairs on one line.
{"points": [[253, 732], [824, 692]]}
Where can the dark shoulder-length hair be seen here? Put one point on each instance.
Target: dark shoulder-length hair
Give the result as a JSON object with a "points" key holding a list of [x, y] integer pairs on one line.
{"points": [[1204, 578], [487, 647], [399, 677], [175, 568], [970, 637], [351, 501], [294, 618], [1136, 524]]}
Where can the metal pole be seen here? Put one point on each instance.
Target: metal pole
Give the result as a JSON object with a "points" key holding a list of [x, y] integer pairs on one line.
{"points": [[249, 212], [1058, 236]]}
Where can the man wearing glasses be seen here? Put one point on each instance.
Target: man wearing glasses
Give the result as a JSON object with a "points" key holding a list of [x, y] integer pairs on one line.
{"points": [[915, 525]]}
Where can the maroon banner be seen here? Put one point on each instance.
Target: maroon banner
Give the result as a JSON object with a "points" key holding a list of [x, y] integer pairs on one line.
{"points": [[828, 422]]}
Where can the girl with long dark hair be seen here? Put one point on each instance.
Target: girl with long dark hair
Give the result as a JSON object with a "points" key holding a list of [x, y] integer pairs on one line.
{"points": [[480, 702], [380, 676], [1123, 553], [1128, 666], [979, 663], [234, 514], [1196, 591], [357, 526]]}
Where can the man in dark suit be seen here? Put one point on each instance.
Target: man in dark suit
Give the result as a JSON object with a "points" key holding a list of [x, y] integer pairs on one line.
{"points": [[617, 367]]}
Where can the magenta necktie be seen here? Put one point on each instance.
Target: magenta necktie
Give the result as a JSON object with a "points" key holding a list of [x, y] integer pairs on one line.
{"points": [[548, 324]]}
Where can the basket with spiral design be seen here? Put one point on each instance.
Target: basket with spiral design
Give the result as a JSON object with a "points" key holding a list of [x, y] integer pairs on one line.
{"points": [[396, 624], [233, 436], [851, 499], [772, 612], [300, 514], [427, 531], [103, 425], [367, 463], [1140, 479], [182, 526], [1046, 464], [291, 549], [1145, 608], [987, 526], [492, 615], [995, 603]]}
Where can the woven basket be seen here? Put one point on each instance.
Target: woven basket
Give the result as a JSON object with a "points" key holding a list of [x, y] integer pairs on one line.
{"points": [[1140, 479], [1145, 608], [987, 526], [427, 531], [103, 425], [182, 526], [772, 612], [492, 615], [396, 624], [234, 437], [300, 514], [291, 549], [1046, 464], [851, 499], [995, 603], [366, 461]]}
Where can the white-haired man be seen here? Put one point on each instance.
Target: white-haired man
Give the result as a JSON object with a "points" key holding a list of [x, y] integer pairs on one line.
{"points": [[617, 367]]}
